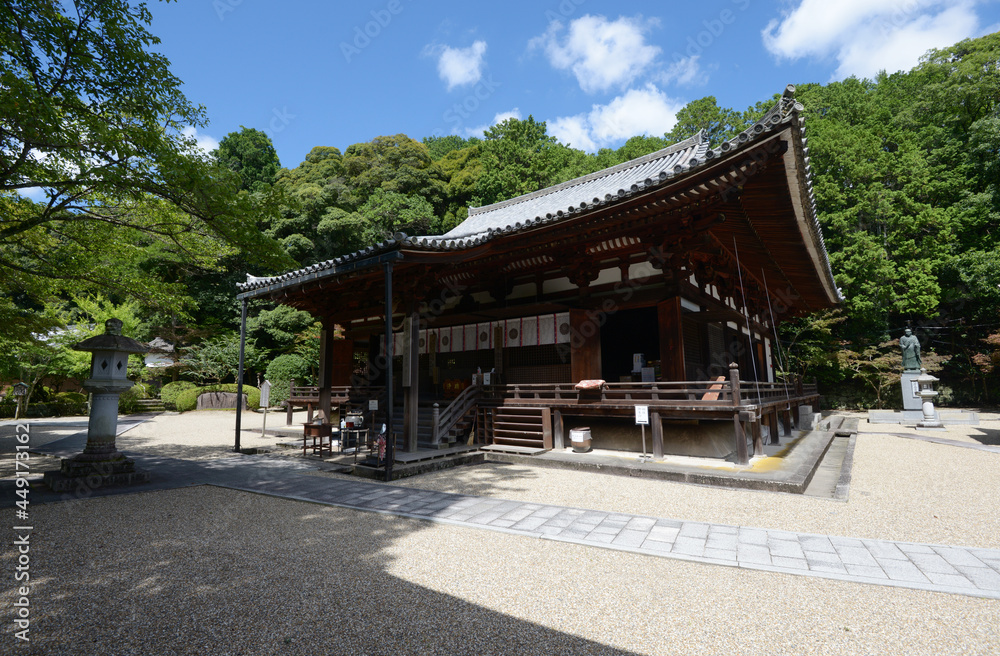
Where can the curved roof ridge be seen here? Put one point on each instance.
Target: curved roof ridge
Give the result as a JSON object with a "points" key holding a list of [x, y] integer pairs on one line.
{"points": [[695, 140]]}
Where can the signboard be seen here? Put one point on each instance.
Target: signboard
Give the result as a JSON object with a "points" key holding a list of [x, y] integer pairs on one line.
{"points": [[20, 389], [488, 378], [638, 362], [642, 415], [373, 404], [265, 394]]}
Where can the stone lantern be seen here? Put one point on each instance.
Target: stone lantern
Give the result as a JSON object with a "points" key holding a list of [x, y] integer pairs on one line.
{"points": [[926, 392], [101, 464]]}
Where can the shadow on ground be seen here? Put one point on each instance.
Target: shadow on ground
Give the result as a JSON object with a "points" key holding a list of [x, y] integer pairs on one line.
{"points": [[206, 570], [987, 436]]}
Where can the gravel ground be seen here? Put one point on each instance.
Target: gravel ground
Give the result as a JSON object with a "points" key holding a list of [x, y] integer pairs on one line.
{"points": [[212, 571]]}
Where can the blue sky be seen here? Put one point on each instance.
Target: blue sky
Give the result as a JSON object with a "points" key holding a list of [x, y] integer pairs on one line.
{"points": [[332, 74]]}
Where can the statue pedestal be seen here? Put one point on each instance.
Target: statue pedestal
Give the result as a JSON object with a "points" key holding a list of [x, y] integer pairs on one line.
{"points": [[911, 389]]}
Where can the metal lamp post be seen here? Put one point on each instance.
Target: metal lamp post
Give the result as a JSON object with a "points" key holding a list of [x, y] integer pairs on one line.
{"points": [[101, 464]]}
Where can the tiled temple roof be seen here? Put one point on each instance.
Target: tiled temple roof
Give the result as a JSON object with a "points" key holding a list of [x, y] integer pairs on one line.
{"points": [[584, 194]]}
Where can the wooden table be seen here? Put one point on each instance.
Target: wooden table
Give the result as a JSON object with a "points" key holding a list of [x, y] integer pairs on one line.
{"points": [[321, 436]]}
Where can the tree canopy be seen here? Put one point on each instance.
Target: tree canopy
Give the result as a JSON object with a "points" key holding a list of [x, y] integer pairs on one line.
{"points": [[99, 173]]}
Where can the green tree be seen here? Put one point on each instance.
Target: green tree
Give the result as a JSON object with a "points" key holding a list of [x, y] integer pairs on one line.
{"points": [[388, 212], [516, 157], [93, 120], [397, 163], [252, 156], [438, 147], [705, 114], [216, 359]]}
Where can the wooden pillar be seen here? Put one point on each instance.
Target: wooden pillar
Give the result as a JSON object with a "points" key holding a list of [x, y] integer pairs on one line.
{"points": [[341, 370], [657, 423], [558, 431], [326, 349], [411, 377], [772, 425], [758, 443], [585, 346], [741, 439], [671, 339], [546, 428]]}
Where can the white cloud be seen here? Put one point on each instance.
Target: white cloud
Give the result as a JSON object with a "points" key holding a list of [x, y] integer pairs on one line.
{"points": [[459, 66], [204, 142], [638, 111], [499, 118], [573, 131], [685, 71], [866, 36], [602, 54]]}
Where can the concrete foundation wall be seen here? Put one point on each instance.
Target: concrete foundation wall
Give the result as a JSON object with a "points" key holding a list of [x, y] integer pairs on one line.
{"points": [[700, 438]]}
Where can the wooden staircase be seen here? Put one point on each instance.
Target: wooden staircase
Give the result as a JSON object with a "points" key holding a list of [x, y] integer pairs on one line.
{"points": [[522, 430], [455, 435]]}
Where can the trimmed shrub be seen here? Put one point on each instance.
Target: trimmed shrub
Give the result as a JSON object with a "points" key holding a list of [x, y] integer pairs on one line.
{"points": [[170, 392], [188, 399], [282, 369], [71, 397], [128, 402]]}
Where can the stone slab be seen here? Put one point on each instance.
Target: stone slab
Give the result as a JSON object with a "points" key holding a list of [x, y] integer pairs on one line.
{"points": [[59, 482], [908, 383]]}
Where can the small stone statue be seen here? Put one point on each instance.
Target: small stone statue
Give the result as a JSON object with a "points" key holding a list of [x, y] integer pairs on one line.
{"points": [[911, 351]]}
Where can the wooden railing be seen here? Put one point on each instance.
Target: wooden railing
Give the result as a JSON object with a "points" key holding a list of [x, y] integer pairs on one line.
{"points": [[462, 405], [705, 394], [307, 396]]}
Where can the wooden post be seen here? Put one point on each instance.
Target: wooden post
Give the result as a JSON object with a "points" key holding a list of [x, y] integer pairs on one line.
{"points": [[786, 419], [741, 439], [325, 370], [758, 442], [546, 428], [558, 436], [436, 435], [657, 423], [772, 425], [288, 410], [585, 346], [671, 339], [411, 363]]}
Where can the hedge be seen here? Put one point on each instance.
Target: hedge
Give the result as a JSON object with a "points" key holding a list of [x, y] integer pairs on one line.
{"points": [[170, 392], [188, 399], [283, 369], [128, 401]]}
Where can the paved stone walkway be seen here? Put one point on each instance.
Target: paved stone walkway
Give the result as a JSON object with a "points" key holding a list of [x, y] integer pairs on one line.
{"points": [[956, 570], [949, 569]]}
